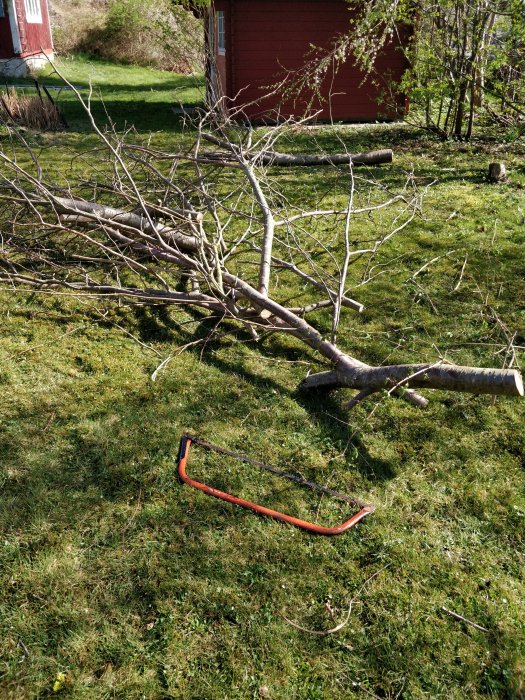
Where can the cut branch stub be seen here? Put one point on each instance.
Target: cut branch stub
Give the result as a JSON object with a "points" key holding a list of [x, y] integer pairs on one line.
{"points": [[497, 172]]}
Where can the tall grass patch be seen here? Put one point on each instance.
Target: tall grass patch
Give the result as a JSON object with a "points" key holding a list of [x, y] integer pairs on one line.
{"points": [[30, 111]]}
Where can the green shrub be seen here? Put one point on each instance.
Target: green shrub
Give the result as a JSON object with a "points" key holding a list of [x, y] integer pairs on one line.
{"points": [[73, 21], [126, 17], [130, 31]]}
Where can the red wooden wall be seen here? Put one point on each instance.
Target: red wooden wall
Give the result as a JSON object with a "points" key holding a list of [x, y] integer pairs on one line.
{"points": [[266, 37], [34, 38]]}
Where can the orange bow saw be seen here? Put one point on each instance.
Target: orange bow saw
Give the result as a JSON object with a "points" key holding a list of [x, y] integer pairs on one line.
{"points": [[185, 444]]}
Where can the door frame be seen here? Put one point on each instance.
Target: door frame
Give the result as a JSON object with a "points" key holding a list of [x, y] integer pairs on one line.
{"points": [[13, 21]]}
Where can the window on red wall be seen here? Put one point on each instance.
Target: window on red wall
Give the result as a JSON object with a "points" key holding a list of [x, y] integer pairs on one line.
{"points": [[33, 11], [2, 11], [221, 33]]}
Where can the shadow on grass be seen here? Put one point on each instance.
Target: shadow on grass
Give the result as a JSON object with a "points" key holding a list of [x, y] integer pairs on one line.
{"points": [[103, 453], [146, 107], [155, 324], [158, 556], [92, 481], [142, 115]]}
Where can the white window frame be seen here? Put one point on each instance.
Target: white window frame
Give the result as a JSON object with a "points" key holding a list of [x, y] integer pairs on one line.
{"points": [[33, 10], [221, 33]]}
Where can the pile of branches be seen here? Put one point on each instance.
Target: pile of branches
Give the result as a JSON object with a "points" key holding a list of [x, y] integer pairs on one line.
{"points": [[206, 226]]}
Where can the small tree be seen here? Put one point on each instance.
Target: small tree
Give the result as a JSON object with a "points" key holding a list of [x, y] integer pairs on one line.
{"points": [[460, 52]]}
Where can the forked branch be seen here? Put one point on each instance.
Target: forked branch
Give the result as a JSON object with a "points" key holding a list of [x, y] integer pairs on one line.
{"points": [[166, 224]]}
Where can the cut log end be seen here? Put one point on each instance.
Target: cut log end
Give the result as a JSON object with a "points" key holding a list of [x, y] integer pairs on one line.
{"points": [[497, 172], [518, 379], [355, 305]]}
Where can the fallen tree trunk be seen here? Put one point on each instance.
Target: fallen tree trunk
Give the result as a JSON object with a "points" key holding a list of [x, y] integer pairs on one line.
{"points": [[349, 372], [308, 160], [352, 373], [159, 245], [94, 213], [290, 160], [474, 380], [272, 157]]}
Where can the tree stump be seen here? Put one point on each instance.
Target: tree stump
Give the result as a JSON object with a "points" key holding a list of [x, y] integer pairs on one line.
{"points": [[497, 172]]}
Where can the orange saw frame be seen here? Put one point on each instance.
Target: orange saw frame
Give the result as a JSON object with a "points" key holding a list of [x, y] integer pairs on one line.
{"points": [[185, 444]]}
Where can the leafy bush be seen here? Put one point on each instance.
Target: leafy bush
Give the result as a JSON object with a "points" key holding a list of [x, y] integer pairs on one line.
{"points": [[127, 16], [153, 34], [73, 21]]}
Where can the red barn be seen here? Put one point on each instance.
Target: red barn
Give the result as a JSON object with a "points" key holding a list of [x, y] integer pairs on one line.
{"points": [[253, 44], [25, 36]]}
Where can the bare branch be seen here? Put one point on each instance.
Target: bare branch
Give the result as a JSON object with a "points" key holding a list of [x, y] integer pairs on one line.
{"points": [[175, 231]]}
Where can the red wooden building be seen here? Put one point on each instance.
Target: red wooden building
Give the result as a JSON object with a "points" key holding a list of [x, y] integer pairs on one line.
{"points": [[254, 43], [25, 36]]}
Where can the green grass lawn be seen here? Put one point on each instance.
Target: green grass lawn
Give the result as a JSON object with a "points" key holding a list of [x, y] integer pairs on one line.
{"points": [[132, 96], [134, 586]]}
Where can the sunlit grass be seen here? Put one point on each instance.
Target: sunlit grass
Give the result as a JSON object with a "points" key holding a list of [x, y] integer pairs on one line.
{"points": [[133, 586]]}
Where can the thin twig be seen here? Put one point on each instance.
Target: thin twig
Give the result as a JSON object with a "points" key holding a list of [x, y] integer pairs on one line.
{"points": [[463, 619], [341, 625], [22, 646], [137, 340], [456, 288], [428, 264], [178, 352], [161, 367]]}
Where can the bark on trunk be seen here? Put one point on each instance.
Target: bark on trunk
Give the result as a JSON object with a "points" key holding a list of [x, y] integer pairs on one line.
{"points": [[303, 159], [300, 159], [506, 382], [114, 217]]}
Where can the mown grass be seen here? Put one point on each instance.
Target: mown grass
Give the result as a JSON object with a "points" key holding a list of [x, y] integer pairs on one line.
{"points": [[134, 586], [131, 96]]}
